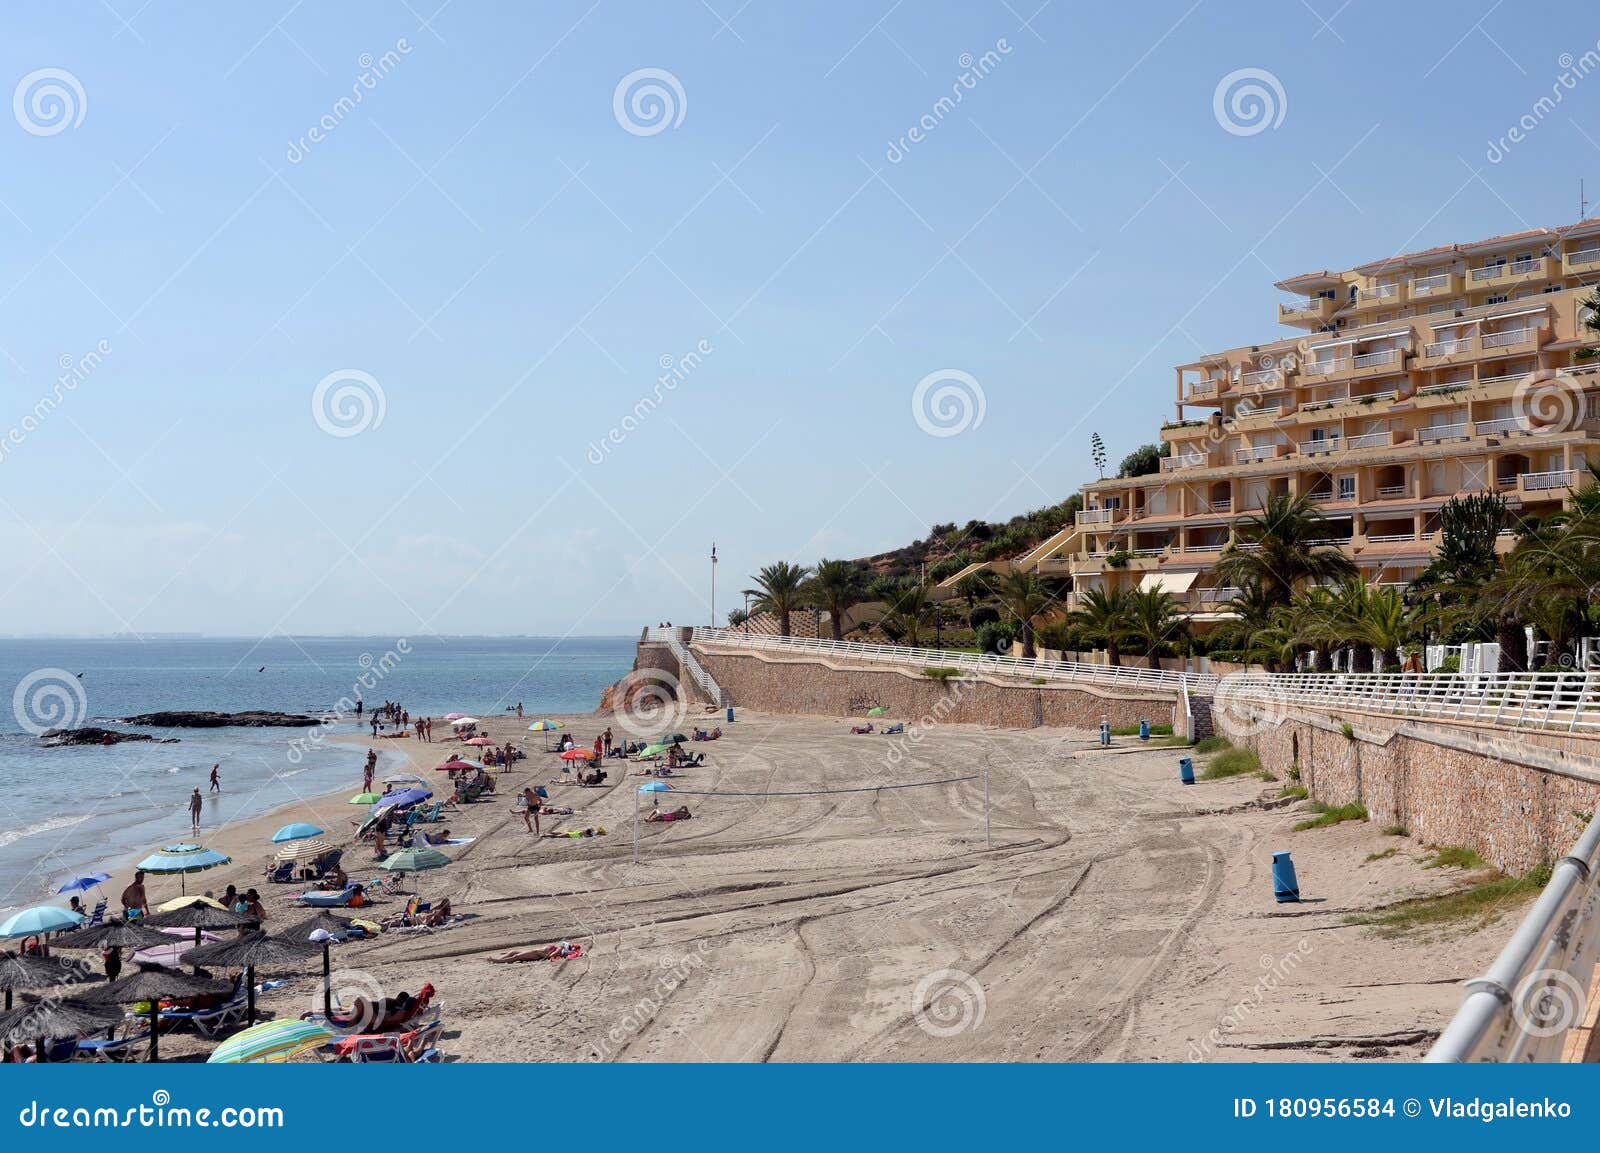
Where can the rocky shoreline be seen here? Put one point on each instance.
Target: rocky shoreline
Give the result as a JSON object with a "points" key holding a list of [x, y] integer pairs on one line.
{"points": [[205, 719]]}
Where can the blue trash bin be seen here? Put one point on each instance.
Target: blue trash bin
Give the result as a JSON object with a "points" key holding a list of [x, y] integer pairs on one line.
{"points": [[1105, 732], [730, 714], [1144, 729], [1285, 885], [1186, 770]]}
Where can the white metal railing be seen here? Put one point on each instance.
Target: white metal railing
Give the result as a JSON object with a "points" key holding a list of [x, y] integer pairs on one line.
{"points": [[1377, 292], [1256, 409], [1174, 463], [1442, 432], [1095, 516], [1320, 497], [1499, 425], [1382, 356], [1584, 256], [1205, 547], [1128, 676], [1541, 481], [1261, 452], [1371, 440], [1443, 385], [1386, 394], [1482, 380], [1223, 505], [1261, 376], [1509, 336], [1448, 347], [1219, 595], [1428, 285], [1529, 264], [1305, 304], [1527, 1002], [1391, 538], [1317, 447], [1325, 367], [1391, 490], [673, 639], [1487, 272], [1158, 551]]}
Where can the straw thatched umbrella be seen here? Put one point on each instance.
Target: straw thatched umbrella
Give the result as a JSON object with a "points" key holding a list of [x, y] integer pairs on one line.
{"points": [[123, 934], [52, 1018], [332, 926], [196, 915], [151, 983], [249, 952], [24, 971]]}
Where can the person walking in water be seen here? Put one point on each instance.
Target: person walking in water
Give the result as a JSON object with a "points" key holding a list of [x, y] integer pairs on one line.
{"points": [[216, 779], [195, 803]]}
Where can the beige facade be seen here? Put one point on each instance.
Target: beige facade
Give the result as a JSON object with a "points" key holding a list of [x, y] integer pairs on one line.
{"points": [[1411, 380]]}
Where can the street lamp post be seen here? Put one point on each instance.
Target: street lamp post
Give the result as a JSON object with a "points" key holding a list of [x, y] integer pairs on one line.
{"points": [[713, 584]]}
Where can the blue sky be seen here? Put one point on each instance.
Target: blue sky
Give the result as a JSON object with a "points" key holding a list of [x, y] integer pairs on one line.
{"points": [[509, 266]]}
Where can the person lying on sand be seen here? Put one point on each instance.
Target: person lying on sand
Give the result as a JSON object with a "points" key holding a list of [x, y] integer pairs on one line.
{"points": [[681, 813], [579, 833], [563, 951]]}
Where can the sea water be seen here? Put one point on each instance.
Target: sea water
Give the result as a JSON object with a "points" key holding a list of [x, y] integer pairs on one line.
{"points": [[63, 810]]}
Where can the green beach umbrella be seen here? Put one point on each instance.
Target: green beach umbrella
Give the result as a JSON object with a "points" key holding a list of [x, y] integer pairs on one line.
{"points": [[270, 1042], [654, 750], [366, 798], [417, 859], [877, 712]]}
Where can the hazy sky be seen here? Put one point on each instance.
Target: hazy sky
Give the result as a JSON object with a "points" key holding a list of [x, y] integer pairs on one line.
{"points": [[480, 266]]}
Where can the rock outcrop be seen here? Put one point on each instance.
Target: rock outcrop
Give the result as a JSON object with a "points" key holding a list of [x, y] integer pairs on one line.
{"points": [[250, 719], [90, 735]]}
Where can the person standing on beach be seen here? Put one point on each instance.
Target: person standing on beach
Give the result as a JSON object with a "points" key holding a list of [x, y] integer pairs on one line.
{"points": [[216, 780], [133, 899], [366, 773], [429, 725], [360, 704], [530, 814], [605, 740], [519, 710], [195, 803]]}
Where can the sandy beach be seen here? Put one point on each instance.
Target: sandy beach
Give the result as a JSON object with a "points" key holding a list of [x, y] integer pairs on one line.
{"points": [[1117, 915]]}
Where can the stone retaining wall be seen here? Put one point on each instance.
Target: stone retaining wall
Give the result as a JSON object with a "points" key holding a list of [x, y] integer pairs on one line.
{"points": [[815, 685], [1516, 801]]}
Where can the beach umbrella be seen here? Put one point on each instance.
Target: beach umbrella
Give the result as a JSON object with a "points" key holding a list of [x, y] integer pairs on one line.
{"points": [[675, 738], [25, 971], [417, 859], [546, 726], [40, 919], [303, 850], [454, 716], [480, 742], [50, 1019], [655, 787], [321, 930], [454, 765], [270, 1041], [81, 884], [647, 787], [151, 983], [250, 952], [197, 913], [178, 942], [183, 859], [877, 711], [404, 798], [366, 798], [654, 750], [185, 901], [578, 755], [404, 779], [296, 832], [122, 934], [463, 722]]}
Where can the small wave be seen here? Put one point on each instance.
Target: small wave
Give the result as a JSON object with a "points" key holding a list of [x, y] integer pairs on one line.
{"points": [[50, 825]]}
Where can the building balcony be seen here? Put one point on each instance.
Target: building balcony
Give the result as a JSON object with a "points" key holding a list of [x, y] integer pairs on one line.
{"points": [[1581, 260], [1203, 390], [1512, 273], [1383, 439], [1308, 310], [1438, 353], [1438, 286], [1501, 426], [1259, 453], [1438, 433], [1324, 447], [1179, 463], [1262, 378], [1380, 296], [1392, 491], [1545, 483], [1097, 515], [1511, 339]]}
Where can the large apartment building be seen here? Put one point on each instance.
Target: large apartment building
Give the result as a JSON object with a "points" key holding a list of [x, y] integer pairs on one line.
{"points": [[1408, 381]]}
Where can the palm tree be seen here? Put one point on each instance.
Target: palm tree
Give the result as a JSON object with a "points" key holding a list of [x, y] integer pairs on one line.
{"points": [[908, 608], [1154, 619], [836, 585], [778, 591], [1103, 619], [1382, 623], [1275, 549], [1024, 596]]}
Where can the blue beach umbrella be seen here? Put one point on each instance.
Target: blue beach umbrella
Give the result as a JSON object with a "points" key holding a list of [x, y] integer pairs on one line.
{"points": [[40, 919], [403, 798], [299, 831], [655, 787], [81, 884], [183, 859]]}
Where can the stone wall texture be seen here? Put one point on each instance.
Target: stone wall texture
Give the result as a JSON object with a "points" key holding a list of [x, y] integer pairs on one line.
{"points": [[767, 682], [1517, 799]]}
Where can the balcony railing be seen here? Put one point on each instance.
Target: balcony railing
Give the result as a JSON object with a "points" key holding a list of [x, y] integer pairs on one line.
{"points": [[1261, 376], [1219, 506], [1584, 256], [1391, 538], [1161, 551], [1544, 481], [1448, 347], [1509, 336], [1205, 547], [1391, 490], [1318, 447], [1439, 432], [1500, 425], [1428, 285], [1202, 389], [1371, 440], [1378, 294], [1529, 264], [1219, 595], [1487, 272], [1320, 497], [1386, 394], [1443, 386], [1256, 410], [1382, 356], [1096, 516], [1325, 367], [1250, 455], [1174, 463]]}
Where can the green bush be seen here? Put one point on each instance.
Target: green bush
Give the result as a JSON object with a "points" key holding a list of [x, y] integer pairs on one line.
{"points": [[1231, 763], [1133, 731], [1209, 745], [983, 615], [996, 637], [1296, 791], [941, 673], [1450, 664], [1329, 815], [1118, 559], [1454, 857]]}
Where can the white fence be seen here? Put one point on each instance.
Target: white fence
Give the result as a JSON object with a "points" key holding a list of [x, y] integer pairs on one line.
{"points": [[1525, 1006], [673, 639]]}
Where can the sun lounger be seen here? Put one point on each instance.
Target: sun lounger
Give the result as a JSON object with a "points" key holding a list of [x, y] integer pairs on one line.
{"points": [[99, 915], [211, 1022], [281, 874], [120, 1049], [325, 899]]}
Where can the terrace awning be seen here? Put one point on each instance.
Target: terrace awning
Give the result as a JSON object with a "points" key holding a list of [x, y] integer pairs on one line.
{"points": [[1175, 583]]}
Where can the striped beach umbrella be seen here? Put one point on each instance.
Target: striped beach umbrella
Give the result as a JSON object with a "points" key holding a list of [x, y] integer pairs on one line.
{"points": [[270, 1042], [303, 850], [545, 726]]}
